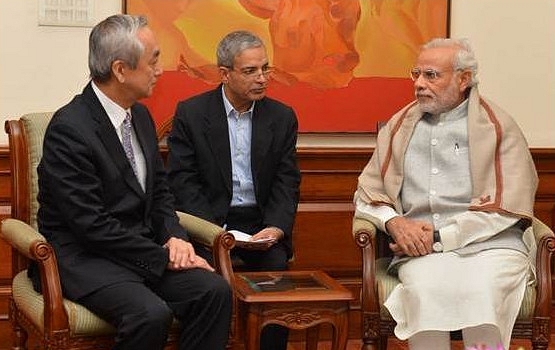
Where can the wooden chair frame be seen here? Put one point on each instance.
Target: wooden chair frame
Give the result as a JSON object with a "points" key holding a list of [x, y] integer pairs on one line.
{"points": [[377, 327], [28, 244]]}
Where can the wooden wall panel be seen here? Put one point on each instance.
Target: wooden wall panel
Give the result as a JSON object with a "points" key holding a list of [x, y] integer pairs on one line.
{"points": [[5, 250], [5, 187], [319, 186], [5, 203], [330, 175], [322, 238], [322, 232], [545, 196]]}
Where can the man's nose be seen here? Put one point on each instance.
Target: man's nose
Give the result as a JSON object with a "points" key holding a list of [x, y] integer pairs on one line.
{"points": [[420, 83], [158, 71], [261, 77]]}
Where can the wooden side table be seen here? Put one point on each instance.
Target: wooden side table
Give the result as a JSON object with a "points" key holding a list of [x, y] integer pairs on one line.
{"points": [[294, 299]]}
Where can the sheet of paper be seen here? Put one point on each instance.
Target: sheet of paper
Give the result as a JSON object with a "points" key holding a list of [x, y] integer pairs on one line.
{"points": [[245, 237]]}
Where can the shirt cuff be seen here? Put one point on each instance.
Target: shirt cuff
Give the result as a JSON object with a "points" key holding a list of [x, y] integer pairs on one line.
{"points": [[376, 214], [448, 235]]}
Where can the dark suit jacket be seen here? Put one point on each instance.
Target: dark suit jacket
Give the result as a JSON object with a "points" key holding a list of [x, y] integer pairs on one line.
{"points": [[199, 160], [102, 225]]}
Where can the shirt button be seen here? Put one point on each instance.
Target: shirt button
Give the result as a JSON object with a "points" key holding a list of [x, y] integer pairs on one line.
{"points": [[433, 192], [434, 142], [436, 216], [435, 171]]}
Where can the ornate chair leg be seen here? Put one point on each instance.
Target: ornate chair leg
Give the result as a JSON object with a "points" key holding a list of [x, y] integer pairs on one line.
{"points": [[371, 331], [383, 342], [19, 339], [540, 333], [370, 344]]}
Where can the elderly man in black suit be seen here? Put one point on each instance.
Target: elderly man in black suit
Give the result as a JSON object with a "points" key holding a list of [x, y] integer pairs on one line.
{"points": [[106, 208], [232, 158]]}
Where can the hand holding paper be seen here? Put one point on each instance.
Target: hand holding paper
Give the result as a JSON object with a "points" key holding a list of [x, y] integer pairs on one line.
{"points": [[244, 240]]}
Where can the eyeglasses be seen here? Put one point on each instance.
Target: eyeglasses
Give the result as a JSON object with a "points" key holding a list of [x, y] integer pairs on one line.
{"points": [[428, 74], [255, 72]]}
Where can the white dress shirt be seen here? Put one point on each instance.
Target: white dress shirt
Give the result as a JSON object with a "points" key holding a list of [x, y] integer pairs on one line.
{"points": [[117, 115]]}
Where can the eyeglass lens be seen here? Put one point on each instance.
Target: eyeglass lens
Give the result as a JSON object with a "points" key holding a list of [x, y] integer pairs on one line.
{"points": [[256, 72], [428, 74]]}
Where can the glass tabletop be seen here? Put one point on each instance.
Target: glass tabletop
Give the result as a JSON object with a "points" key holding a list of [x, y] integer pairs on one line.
{"points": [[276, 282]]}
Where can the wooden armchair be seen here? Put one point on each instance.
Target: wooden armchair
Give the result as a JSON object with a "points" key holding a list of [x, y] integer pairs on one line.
{"points": [[377, 325], [55, 322]]}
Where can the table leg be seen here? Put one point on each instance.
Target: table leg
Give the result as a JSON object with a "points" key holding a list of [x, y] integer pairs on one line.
{"points": [[252, 332], [340, 332], [312, 336]]}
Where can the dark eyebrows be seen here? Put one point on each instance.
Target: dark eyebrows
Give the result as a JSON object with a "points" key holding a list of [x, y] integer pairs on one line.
{"points": [[256, 67]]}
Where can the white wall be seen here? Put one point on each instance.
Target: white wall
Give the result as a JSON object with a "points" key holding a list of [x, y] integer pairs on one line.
{"points": [[514, 41], [41, 68]]}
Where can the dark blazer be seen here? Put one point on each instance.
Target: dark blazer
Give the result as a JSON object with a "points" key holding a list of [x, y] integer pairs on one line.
{"points": [[102, 225], [199, 160]]}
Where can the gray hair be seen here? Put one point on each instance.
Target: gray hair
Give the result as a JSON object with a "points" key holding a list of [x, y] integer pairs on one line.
{"points": [[464, 58], [115, 38], [233, 44]]}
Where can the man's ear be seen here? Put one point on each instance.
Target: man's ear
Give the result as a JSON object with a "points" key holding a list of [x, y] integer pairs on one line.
{"points": [[465, 79], [224, 74], [118, 70]]}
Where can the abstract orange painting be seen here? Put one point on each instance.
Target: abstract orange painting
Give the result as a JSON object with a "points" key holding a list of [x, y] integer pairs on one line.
{"points": [[341, 64]]}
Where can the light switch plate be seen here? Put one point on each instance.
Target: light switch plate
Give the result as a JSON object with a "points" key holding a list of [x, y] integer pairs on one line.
{"points": [[67, 13]]}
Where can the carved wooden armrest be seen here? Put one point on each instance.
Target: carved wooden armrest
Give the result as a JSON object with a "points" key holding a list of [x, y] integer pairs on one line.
{"points": [[212, 236], [364, 233], [545, 240], [30, 243], [541, 230], [20, 236], [200, 230]]}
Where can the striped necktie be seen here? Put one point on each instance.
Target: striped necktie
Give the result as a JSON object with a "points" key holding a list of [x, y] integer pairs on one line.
{"points": [[126, 140]]}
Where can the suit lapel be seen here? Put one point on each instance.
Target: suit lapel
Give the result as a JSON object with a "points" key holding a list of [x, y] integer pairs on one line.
{"points": [[109, 138], [217, 134], [262, 135], [141, 130]]}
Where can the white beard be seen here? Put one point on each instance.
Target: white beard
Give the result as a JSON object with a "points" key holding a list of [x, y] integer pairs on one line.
{"points": [[440, 103]]}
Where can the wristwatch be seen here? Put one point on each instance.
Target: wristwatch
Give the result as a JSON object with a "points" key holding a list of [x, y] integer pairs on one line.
{"points": [[437, 246]]}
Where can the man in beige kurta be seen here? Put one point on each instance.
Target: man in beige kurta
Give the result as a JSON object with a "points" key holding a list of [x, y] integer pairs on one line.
{"points": [[452, 182]]}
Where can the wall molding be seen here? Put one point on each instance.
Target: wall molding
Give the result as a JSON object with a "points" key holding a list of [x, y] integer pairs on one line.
{"points": [[322, 232]]}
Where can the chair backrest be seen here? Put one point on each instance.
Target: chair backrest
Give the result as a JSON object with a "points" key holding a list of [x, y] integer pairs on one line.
{"points": [[163, 130], [25, 144]]}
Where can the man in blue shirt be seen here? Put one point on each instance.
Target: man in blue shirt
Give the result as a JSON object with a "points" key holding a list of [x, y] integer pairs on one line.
{"points": [[232, 158]]}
